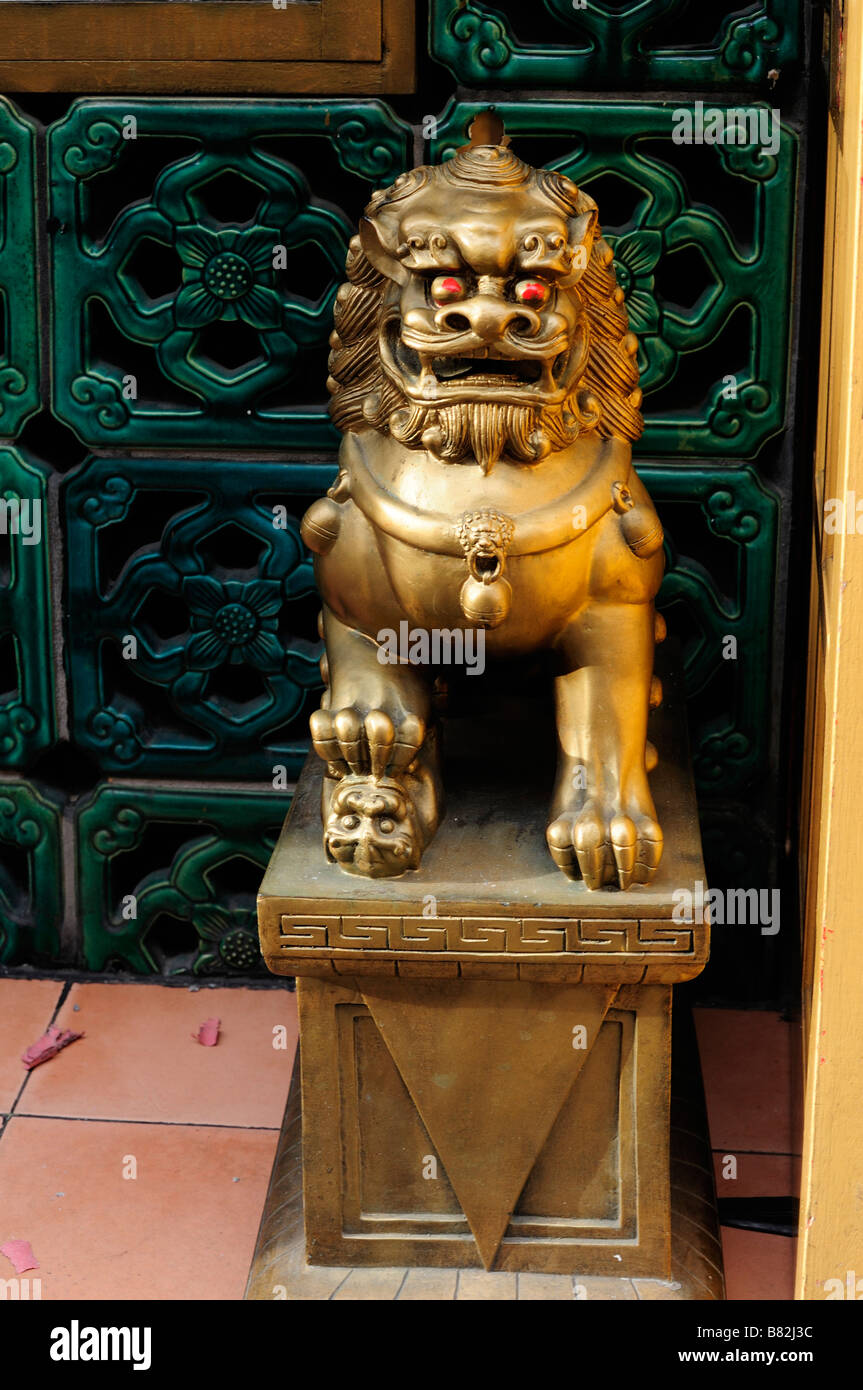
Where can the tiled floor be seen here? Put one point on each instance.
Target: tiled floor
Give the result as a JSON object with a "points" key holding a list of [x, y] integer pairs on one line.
{"points": [[136, 1162], [748, 1064]]}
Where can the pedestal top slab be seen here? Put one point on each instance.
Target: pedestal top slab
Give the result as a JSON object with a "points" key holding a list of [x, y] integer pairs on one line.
{"points": [[487, 890]]}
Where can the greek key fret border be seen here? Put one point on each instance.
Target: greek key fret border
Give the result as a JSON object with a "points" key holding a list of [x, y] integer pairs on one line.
{"points": [[527, 936]]}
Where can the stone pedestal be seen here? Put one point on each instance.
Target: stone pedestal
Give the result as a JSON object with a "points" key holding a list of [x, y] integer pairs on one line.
{"points": [[485, 1044]]}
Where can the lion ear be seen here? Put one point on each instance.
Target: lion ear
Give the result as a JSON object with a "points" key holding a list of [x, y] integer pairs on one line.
{"points": [[373, 239], [582, 230]]}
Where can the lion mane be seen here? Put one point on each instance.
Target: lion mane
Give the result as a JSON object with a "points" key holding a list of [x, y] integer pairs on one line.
{"points": [[363, 397]]}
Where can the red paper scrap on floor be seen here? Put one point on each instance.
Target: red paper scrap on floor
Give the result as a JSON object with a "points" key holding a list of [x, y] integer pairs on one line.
{"points": [[50, 1043], [20, 1252], [208, 1033]]}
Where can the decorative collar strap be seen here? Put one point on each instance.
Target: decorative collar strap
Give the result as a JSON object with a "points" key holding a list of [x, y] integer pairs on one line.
{"points": [[545, 528]]}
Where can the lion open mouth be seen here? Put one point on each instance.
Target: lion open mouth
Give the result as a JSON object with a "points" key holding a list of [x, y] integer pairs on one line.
{"points": [[485, 370], [480, 369]]}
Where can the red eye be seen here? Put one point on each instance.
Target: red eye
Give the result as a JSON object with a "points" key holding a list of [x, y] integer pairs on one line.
{"points": [[531, 291], [447, 287]]}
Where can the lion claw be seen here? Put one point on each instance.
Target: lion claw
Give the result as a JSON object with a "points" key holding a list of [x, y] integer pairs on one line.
{"points": [[605, 848], [373, 744]]}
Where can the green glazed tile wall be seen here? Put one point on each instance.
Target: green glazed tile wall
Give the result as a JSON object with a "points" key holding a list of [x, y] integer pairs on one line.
{"points": [[724, 615], [187, 320], [614, 44]]}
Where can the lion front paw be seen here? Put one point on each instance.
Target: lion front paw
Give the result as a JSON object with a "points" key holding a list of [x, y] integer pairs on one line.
{"points": [[605, 845]]}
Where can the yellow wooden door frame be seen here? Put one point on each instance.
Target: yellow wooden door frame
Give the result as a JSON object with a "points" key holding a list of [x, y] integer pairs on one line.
{"points": [[830, 1249]]}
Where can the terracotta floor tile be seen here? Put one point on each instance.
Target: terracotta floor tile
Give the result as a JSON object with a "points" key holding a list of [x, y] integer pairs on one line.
{"points": [[758, 1175], [545, 1288], [182, 1229], [139, 1061], [747, 1061], [369, 1285], [758, 1267], [423, 1285], [26, 1009], [478, 1286]]}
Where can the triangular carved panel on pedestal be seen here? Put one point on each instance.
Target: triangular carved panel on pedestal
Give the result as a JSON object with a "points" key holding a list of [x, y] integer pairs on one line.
{"points": [[531, 1039]]}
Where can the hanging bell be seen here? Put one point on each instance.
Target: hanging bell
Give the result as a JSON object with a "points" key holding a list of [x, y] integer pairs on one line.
{"points": [[486, 602]]}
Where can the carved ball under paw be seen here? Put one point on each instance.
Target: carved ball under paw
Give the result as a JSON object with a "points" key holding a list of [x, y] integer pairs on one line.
{"points": [[372, 829]]}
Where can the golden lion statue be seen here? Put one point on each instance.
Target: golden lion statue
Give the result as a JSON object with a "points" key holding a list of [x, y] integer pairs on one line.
{"points": [[484, 378]]}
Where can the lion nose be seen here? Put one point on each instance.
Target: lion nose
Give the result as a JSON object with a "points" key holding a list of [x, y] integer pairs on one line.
{"points": [[488, 316], [367, 853]]}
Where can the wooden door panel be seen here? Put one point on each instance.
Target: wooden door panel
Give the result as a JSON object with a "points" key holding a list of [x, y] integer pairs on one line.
{"points": [[208, 45]]}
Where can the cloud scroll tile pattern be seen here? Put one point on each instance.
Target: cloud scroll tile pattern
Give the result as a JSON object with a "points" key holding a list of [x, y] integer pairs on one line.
{"points": [[614, 43], [198, 313]]}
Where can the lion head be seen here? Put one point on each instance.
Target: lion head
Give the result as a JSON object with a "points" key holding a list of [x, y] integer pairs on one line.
{"points": [[372, 827], [482, 316]]}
